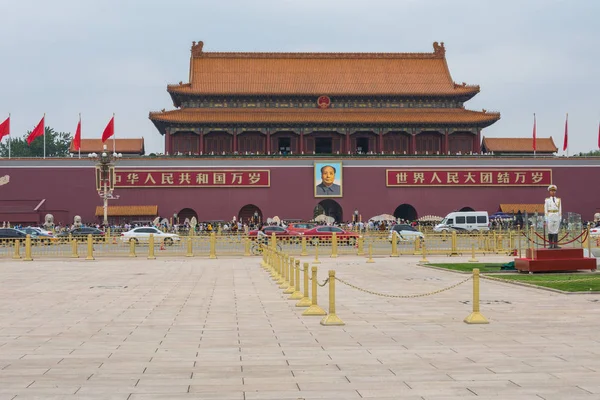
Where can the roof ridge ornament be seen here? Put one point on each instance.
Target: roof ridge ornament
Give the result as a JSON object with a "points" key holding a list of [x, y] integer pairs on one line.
{"points": [[197, 49], [439, 49]]}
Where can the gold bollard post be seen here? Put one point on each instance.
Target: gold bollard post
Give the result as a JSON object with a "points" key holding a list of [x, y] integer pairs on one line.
{"points": [[424, 259], [291, 288], [314, 308], [305, 300], [334, 243], [273, 241], [316, 260], [494, 243], [473, 259], [132, 244], [17, 254], [297, 295], [303, 252], [28, 249], [90, 248], [151, 247], [394, 244], [213, 246], [532, 241], [361, 246], [74, 249], [454, 250], [332, 318], [190, 248], [370, 260], [475, 317], [282, 274], [589, 242], [519, 242], [247, 247]]}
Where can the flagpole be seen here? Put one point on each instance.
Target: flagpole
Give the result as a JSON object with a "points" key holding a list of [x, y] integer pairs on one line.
{"points": [[44, 133], [9, 136], [567, 133], [534, 136], [79, 149], [114, 134]]}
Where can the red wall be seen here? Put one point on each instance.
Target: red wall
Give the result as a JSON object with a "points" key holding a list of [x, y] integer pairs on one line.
{"points": [[70, 191]]}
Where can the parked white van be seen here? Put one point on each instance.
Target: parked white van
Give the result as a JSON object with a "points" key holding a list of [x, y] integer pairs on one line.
{"points": [[464, 221]]}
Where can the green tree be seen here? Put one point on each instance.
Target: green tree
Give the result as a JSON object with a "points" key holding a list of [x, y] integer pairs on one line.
{"points": [[593, 153], [57, 145]]}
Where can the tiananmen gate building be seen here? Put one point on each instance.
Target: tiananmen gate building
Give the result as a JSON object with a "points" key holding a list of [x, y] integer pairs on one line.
{"points": [[262, 132]]}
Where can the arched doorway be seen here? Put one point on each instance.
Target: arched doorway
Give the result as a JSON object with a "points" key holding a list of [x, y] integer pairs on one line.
{"points": [[406, 212], [186, 213], [250, 214], [331, 208], [466, 209]]}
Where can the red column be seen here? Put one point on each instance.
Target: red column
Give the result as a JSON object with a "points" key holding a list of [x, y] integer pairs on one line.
{"points": [[478, 143], [268, 140], [347, 144], [380, 138], [413, 142], [168, 141], [446, 134], [301, 140], [201, 134], [235, 139]]}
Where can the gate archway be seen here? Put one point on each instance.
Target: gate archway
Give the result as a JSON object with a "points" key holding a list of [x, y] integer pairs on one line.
{"points": [[250, 214], [186, 213], [406, 212], [331, 208], [467, 209]]}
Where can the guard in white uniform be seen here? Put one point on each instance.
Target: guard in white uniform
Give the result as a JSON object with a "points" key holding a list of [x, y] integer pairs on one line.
{"points": [[553, 213]]}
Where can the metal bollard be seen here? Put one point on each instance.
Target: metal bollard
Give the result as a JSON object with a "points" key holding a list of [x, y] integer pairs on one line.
{"points": [[473, 259], [334, 243], [291, 288], [28, 249], [332, 318], [74, 249], [316, 260], [475, 317], [273, 241], [17, 254], [247, 247], [151, 247], [424, 259], [370, 260], [454, 250], [314, 308], [303, 252], [297, 295], [282, 264], [213, 246], [361, 246], [132, 244], [190, 248], [394, 244], [305, 300], [90, 248]]}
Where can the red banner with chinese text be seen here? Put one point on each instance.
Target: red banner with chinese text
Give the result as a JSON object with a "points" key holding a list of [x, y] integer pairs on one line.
{"points": [[125, 178], [468, 177]]}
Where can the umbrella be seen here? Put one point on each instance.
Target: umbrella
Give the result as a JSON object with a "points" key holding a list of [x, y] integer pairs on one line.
{"points": [[383, 217], [276, 219], [430, 218], [324, 218]]}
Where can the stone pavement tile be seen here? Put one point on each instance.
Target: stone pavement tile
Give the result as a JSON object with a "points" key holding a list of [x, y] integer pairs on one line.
{"points": [[106, 396], [220, 395], [303, 394], [400, 392]]}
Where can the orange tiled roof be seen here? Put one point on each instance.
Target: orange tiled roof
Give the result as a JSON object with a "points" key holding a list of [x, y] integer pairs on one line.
{"points": [[518, 145], [315, 115], [128, 211], [524, 208], [321, 74], [124, 146]]}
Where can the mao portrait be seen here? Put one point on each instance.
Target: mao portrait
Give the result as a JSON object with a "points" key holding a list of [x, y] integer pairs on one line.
{"points": [[328, 179]]}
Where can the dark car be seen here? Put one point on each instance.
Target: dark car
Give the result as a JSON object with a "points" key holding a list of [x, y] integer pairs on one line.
{"points": [[325, 233], [82, 234], [280, 233], [12, 233]]}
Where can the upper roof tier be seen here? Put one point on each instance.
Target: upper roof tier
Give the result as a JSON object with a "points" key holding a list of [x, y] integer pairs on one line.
{"points": [[342, 74]]}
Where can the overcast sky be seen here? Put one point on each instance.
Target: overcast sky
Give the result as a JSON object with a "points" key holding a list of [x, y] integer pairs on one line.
{"points": [[65, 57]]}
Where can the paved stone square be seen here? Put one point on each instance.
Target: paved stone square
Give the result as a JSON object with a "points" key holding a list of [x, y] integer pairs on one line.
{"points": [[192, 328]]}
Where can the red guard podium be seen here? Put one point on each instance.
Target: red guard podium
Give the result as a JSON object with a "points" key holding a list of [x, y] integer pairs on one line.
{"points": [[552, 260]]}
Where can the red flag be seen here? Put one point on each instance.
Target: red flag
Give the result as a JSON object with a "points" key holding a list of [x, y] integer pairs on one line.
{"points": [[5, 128], [36, 132], [566, 141], [109, 130], [599, 135], [77, 138], [534, 139]]}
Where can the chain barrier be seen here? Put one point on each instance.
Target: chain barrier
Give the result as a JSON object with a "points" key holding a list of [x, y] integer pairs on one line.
{"points": [[409, 296], [320, 284], [560, 241]]}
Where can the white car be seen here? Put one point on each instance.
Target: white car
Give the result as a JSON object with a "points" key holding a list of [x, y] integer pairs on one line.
{"points": [[142, 235], [41, 230], [405, 233]]}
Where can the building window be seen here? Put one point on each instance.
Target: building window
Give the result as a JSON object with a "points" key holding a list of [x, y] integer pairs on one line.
{"points": [[362, 145], [284, 145]]}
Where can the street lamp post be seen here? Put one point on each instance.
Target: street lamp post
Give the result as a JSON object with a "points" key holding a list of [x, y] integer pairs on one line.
{"points": [[105, 168]]}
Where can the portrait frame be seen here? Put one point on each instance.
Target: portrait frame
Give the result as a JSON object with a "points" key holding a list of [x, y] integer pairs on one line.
{"points": [[318, 184]]}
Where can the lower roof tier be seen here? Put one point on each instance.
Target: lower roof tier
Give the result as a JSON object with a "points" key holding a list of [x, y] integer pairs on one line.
{"points": [[315, 116]]}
